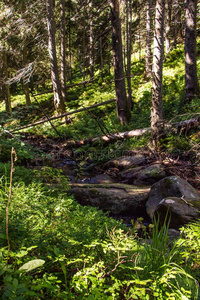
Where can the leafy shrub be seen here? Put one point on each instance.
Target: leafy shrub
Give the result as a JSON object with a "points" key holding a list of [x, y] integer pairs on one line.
{"points": [[61, 250]]}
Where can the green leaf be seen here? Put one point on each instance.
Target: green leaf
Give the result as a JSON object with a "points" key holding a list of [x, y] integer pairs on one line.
{"points": [[32, 264]]}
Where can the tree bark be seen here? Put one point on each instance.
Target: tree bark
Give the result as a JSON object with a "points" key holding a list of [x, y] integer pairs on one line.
{"points": [[148, 39], [58, 103], [157, 103], [123, 110], [168, 26], [91, 41], [175, 22], [6, 87], [129, 51], [63, 54], [191, 79], [25, 84]]}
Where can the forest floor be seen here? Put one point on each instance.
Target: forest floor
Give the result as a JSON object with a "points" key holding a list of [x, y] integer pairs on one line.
{"points": [[57, 149]]}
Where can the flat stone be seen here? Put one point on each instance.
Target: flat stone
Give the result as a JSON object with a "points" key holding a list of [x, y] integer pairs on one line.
{"points": [[126, 162], [116, 198]]}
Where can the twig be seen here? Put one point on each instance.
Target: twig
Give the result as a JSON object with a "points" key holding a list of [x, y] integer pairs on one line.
{"points": [[13, 155], [119, 263]]}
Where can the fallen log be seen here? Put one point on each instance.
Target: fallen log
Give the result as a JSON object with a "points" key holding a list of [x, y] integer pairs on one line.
{"points": [[63, 115], [177, 126]]}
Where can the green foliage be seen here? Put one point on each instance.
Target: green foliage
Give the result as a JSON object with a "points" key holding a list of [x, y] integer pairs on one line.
{"points": [[189, 245], [72, 252], [176, 143], [25, 152]]}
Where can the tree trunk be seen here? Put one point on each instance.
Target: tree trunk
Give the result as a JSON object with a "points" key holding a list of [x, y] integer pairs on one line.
{"points": [[123, 110], [157, 103], [129, 50], [63, 55], [191, 80], [58, 103], [25, 84], [168, 26], [148, 39], [175, 22], [91, 40], [6, 88]]}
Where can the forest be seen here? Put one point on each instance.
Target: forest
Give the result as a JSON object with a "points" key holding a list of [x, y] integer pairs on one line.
{"points": [[100, 149]]}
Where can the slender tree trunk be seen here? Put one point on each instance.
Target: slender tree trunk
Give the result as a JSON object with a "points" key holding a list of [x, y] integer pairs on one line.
{"points": [[58, 103], [148, 39], [63, 50], [129, 51], [70, 49], [91, 39], [84, 48], [139, 36], [6, 88], [25, 59], [157, 103], [25, 84], [123, 110], [101, 58], [191, 80], [175, 22], [168, 26]]}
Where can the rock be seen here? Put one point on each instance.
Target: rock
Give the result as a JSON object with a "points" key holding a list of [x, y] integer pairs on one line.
{"points": [[116, 198], [171, 186], [130, 174], [101, 178], [150, 175], [126, 162], [142, 175], [180, 211]]}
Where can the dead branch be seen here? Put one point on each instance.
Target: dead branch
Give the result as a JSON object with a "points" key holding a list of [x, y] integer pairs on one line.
{"points": [[63, 115]]}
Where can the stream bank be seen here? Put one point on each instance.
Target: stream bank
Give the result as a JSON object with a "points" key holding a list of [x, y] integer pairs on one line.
{"points": [[122, 185]]}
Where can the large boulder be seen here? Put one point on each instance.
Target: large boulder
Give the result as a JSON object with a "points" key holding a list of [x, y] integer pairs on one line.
{"points": [[115, 197], [180, 211], [168, 187]]}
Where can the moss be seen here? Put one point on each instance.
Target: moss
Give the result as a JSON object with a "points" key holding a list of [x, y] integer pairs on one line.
{"points": [[168, 182]]}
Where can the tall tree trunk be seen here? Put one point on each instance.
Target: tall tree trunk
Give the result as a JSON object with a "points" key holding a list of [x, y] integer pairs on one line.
{"points": [[101, 59], [175, 22], [157, 103], [70, 48], [123, 110], [91, 40], [6, 88], [129, 50], [148, 39], [168, 26], [25, 84], [63, 50], [58, 103], [191, 80]]}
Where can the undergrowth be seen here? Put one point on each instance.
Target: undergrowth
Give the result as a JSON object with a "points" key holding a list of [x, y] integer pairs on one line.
{"points": [[61, 250]]}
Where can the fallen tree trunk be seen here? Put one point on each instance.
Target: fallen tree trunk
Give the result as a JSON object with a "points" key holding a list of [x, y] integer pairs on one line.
{"points": [[63, 115], [177, 126]]}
